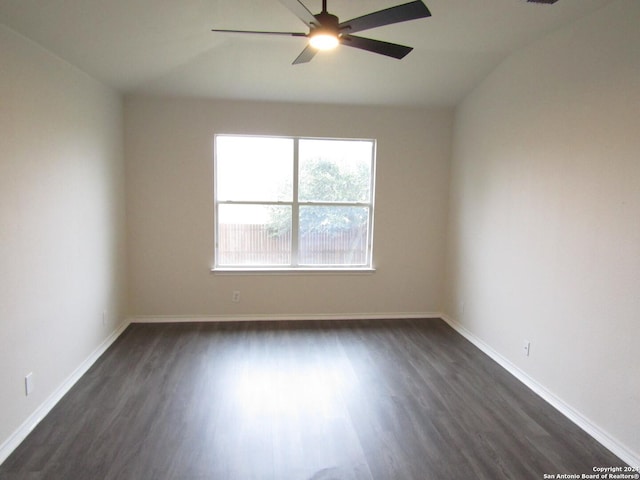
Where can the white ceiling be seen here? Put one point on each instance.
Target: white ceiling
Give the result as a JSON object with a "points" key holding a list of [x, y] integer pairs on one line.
{"points": [[166, 46]]}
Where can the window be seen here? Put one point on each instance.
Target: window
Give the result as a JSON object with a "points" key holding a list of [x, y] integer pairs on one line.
{"points": [[293, 203]]}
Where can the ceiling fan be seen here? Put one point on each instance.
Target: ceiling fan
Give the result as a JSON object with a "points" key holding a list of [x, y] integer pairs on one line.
{"points": [[326, 31]]}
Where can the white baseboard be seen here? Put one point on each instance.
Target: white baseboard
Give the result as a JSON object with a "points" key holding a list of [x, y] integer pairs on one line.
{"points": [[621, 451], [11, 443], [280, 317]]}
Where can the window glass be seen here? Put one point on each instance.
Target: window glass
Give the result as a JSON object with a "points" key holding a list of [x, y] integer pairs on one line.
{"points": [[248, 236], [254, 168], [333, 235], [335, 170]]}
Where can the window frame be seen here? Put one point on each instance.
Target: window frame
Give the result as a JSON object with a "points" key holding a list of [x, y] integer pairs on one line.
{"points": [[295, 204]]}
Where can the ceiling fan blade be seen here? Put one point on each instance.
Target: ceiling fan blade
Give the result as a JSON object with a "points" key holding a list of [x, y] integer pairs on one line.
{"points": [[307, 54], [261, 32], [397, 14], [300, 11], [376, 46]]}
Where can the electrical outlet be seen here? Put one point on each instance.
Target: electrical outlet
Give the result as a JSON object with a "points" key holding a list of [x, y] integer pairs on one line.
{"points": [[235, 296], [28, 384], [104, 318], [526, 347]]}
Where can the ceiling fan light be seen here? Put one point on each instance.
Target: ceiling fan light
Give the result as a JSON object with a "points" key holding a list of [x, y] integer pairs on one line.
{"points": [[323, 41]]}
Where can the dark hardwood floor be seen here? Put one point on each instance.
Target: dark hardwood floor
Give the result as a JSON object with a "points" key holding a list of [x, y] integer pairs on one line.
{"points": [[301, 400]]}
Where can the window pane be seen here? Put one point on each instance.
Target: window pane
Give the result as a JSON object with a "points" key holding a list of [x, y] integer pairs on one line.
{"points": [[333, 235], [254, 235], [334, 170], [254, 168]]}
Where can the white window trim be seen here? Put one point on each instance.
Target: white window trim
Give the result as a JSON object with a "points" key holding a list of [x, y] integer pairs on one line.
{"points": [[294, 268], [292, 271]]}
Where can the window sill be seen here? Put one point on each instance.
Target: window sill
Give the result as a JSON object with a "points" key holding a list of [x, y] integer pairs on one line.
{"points": [[293, 271]]}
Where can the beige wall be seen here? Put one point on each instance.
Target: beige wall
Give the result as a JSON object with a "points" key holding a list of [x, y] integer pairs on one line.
{"points": [[170, 221], [545, 216], [61, 223]]}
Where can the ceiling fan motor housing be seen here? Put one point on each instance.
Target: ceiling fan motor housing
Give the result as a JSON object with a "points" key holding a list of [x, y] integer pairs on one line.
{"points": [[327, 24]]}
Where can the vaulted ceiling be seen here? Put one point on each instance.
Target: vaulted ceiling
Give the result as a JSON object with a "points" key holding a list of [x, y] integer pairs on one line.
{"points": [[166, 46]]}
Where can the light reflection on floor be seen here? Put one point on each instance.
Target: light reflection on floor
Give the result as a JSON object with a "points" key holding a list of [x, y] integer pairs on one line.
{"points": [[267, 390]]}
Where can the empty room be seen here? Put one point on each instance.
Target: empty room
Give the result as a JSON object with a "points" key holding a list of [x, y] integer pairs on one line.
{"points": [[306, 239]]}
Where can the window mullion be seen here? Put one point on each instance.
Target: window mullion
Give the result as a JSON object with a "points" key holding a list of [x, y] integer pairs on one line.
{"points": [[294, 207]]}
